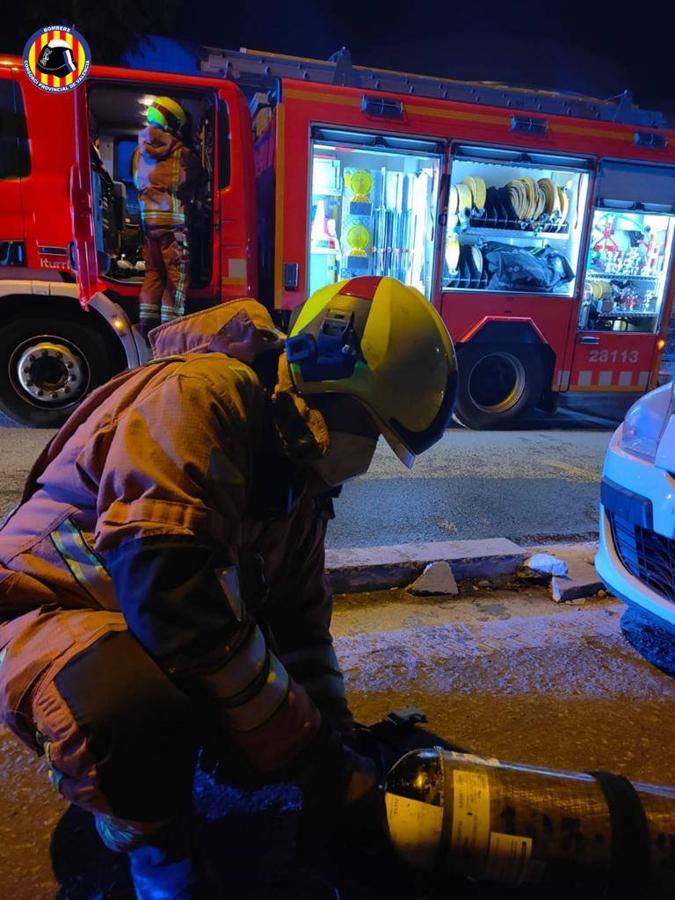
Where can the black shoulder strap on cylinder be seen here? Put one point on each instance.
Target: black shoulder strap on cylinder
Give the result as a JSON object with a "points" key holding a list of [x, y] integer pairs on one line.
{"points": [[631, 872]]}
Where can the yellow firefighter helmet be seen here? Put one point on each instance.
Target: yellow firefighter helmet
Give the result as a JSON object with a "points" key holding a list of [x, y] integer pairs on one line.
{"points": [[381, 342], [166, 113]]}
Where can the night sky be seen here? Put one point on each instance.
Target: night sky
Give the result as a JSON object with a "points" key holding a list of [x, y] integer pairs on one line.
{"points": [[596, 48]]}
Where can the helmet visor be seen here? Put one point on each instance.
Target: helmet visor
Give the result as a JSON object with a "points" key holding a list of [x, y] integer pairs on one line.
{"points": [[406, 455]]}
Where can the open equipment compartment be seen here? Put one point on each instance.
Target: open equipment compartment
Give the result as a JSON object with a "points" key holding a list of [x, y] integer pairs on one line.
{"points": [[515, 221], [373, 208]]}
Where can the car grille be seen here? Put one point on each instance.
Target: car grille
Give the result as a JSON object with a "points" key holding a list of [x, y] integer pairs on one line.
{"points": [[647, 555]]}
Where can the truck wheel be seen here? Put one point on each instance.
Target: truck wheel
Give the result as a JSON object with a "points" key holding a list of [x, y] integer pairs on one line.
{"points": [[497, 384], [48, 367]]}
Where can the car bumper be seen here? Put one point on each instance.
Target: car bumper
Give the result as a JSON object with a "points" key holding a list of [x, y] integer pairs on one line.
{"points": [[636, 557]]}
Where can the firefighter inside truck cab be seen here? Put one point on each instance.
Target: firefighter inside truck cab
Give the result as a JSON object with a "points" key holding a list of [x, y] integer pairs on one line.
{"points": [[167, 174], [162, 582]]}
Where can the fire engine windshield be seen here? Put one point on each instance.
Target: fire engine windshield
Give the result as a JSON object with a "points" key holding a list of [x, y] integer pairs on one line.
{"points": [[372, 213], [515, 222]]}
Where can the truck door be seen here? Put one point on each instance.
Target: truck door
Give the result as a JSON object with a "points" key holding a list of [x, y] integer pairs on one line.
{"points": [[235, 213], [624, 298], [14, 166], [87, 255]]}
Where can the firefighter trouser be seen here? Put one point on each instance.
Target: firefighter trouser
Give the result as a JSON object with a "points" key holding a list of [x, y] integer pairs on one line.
{"points": [[167, 270], [119, 735]]}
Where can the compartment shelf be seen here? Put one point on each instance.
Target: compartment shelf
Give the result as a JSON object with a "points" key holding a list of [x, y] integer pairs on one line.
{"points": [[626, 314], [591, 276], [492, 232]]}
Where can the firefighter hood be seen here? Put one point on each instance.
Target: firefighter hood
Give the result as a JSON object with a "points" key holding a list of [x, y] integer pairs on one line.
{"points": [[241, 328], [244, 329]]}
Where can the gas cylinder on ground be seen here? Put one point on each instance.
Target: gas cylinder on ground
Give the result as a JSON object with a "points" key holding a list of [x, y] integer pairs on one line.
{"points": [[576, 835]]}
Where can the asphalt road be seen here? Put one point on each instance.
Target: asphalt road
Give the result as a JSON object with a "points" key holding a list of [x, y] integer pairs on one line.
{"points": [[516, 676], [530, 486], [536, 484], [502, 674]]}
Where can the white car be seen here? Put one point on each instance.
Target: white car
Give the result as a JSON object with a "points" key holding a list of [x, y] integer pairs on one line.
{"points": [[636, 559]]}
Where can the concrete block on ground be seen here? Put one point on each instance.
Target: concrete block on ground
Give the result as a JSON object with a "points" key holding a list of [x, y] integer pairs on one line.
{"points": [[396, 565], [436, 579], [581, 581], [546, 564]]}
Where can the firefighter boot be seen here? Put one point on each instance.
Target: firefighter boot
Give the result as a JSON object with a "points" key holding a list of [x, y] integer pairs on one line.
{"points": [[160, 861]]}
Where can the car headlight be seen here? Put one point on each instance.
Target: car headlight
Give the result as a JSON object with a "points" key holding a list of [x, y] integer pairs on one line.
{"points": [[646, 421]]}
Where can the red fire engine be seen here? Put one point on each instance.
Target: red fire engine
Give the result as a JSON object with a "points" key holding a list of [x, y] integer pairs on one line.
{"points": [[539, 224]]}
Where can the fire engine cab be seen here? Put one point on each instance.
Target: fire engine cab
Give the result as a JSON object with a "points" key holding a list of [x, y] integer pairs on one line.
{"points": [[70, 226], [539, 224]]}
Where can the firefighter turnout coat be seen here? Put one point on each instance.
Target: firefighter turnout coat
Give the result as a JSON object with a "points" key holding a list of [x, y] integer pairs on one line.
{"points": [[151, 510], [166, 173]]}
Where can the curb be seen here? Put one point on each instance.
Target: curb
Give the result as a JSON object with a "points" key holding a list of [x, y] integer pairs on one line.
{"points": [[396, 566]]}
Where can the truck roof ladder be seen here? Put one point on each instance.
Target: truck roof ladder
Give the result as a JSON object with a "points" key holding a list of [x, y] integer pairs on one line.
{"points": [[255, 70]]}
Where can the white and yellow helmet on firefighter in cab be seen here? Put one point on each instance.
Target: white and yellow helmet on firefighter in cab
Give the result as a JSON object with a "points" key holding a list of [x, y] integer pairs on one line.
{"points": [[375, 339], [166, 113]]}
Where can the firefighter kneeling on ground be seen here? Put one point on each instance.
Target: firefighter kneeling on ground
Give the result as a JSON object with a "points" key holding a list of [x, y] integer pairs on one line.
{"points": [[166, 174], [162, 582]]}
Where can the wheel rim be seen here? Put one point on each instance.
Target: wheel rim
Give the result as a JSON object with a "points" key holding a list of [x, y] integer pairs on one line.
{"points": [[497, 382], [49, 372]]}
